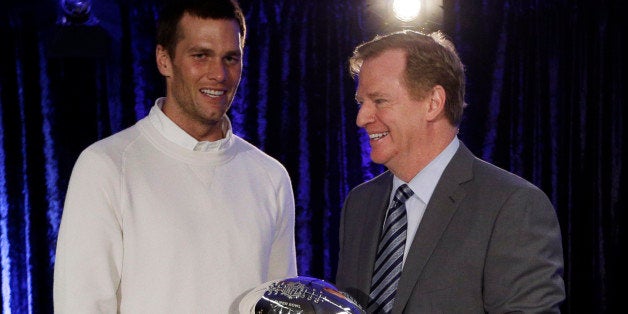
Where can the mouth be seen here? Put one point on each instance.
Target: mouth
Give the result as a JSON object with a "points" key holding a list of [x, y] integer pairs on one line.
{"points": [[377, 136], [212, 92]]}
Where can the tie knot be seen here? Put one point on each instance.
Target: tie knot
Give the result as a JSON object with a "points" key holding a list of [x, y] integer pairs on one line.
{"points": [[403, 193]]}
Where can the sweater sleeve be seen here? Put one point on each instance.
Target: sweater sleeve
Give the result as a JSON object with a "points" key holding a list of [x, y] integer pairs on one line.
{"points": [[282, 262], [89, 245]]}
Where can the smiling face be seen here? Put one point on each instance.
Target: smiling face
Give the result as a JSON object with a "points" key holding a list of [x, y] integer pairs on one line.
{"points": [[394, 121], [203, 75]]}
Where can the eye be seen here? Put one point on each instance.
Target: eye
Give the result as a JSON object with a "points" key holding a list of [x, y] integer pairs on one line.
{"points": [[379, 101], [232, 59], [199, 56]]}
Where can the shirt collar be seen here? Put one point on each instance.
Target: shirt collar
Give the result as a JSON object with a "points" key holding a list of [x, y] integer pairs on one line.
{"points": [[176, 134], [424, 183]]}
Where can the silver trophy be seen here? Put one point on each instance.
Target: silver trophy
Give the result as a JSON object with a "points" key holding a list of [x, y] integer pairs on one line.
{"points": [[298, 295]]}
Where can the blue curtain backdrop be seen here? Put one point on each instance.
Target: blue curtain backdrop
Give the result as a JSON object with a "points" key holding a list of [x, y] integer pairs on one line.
{"points": [[546, 89]]}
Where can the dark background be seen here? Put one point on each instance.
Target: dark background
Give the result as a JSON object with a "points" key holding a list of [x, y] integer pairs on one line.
{"points": [[546, 89]]}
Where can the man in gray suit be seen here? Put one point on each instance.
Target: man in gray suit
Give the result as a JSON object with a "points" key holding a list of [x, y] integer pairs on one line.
{"points": [[461, 235]]}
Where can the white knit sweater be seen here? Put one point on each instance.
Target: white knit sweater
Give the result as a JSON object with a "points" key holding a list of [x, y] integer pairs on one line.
{"points": [[149, 226]]}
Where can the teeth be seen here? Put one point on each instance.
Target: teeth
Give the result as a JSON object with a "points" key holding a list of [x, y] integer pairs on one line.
{"points": [[377, 136], [212, 93]]}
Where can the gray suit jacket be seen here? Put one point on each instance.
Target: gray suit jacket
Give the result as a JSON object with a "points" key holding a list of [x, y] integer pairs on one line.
{"points": [[489, 241]]}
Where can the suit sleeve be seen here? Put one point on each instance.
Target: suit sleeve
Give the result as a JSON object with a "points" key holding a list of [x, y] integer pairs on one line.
{"points": [[340, 272], [349, 277], [524, 265], [89, 245]]}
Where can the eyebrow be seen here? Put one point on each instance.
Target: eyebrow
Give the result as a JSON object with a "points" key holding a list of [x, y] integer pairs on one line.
{"points": [[212, 52], [371, 96], [375, 94]]}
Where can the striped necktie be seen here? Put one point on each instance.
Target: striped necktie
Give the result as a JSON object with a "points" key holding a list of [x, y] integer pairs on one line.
{"points": [[389, 258]]}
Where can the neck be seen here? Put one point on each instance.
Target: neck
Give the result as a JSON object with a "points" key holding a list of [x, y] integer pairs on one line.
{"points": [[418, 159], [199, 129], [204, 132]]}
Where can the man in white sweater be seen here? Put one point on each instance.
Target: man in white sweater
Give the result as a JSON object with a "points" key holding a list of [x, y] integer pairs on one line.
{"points": [[177, 214]]}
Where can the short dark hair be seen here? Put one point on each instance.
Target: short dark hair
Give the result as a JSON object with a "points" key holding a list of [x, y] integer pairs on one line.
{"points": [[173, 10], [430, 60]]}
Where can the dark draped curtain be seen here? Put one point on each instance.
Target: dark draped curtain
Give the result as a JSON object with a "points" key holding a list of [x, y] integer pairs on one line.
{"points": [[545, 92]]}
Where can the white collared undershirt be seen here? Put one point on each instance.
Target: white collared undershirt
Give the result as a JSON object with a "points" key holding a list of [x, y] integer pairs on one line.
{"points": [[423, 185]]}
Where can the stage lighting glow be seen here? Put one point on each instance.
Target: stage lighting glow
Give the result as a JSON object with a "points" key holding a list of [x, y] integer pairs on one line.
{"points": [[76, 12], [406, 10]]}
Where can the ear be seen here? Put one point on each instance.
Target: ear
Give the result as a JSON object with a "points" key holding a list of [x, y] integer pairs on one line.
{"points": [[436, 103], [164, 64]]}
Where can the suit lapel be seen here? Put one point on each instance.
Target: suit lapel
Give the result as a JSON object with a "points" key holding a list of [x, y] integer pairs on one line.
{"points": [[438, 213], [375, 205]]}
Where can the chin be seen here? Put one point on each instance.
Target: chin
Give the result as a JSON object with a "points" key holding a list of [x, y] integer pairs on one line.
{"points": [[378, 159]]}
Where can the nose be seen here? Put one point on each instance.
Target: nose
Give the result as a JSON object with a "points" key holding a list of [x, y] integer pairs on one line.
{"points": [[217, 71], [365, 116]]}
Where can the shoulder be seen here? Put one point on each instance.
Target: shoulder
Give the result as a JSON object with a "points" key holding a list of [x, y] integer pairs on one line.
{"points": [[496, 177], [486, 185], [111, 149], [257, 159], [470, 170], [381, 181], [499, 189]]}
